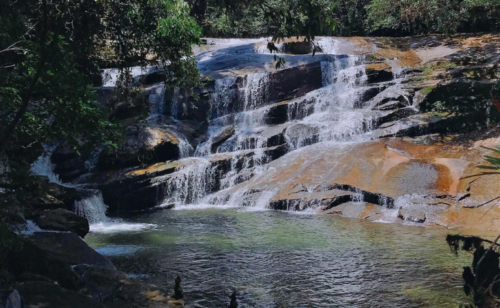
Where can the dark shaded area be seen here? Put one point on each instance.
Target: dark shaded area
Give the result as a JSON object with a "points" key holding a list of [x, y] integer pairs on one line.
{"points": [[482, 279]]}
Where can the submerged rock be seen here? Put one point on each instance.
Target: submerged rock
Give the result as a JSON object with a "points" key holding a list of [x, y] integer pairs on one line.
{"points": [[233, 303], [178, 293]]}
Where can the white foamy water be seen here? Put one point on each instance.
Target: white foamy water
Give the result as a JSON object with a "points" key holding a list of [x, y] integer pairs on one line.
{"points": [[330, 114], [31, 228], [118, 226], [202, 206], [111, 76], [94, 209], [118, 250], [43, 166]]}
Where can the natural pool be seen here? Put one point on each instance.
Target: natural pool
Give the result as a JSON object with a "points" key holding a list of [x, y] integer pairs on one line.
{"points": [[277, 259]]}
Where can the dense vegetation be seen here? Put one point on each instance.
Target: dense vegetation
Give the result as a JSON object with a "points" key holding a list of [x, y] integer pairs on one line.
{"points": [[345, 17], [51, 52]]}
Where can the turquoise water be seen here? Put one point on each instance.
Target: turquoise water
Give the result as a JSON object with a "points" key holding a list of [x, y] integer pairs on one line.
{"points": [[276, 259]]}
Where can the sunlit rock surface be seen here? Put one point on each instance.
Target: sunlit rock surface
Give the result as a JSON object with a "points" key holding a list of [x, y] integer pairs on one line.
{"points": [[385, 129]]}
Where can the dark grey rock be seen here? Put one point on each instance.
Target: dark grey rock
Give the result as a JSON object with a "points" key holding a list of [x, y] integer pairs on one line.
{"points": [[63, 220], [69, 249], [50, 295]]}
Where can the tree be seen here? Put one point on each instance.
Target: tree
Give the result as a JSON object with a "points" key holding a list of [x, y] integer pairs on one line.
{"points": [[429, 16], [52, 50]]}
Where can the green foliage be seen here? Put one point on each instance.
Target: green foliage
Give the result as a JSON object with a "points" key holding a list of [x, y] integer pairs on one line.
{"points": [[275, 18], [427, 90], [256, 18], [494, 161], [438, 107], [51, 52], [428, 16]]}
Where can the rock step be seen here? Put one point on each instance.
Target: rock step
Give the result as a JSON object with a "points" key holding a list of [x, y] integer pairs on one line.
{"points": [[248, 92], [145, 189], [331, 197]]}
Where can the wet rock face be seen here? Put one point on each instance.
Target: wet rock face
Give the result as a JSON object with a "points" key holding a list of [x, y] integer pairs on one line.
{"points": [[69, 249], [68, 164], [63, 220], [370, 121], [56, 197], [145, 143], [297, 48], [221, 138], [419, 217], [278, 86]]}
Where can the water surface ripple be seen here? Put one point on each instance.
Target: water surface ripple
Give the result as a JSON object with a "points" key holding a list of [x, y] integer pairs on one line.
{"points": [[279, 259]]}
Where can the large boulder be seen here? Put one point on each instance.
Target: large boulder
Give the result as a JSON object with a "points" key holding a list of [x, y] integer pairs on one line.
{"points": [[148, 142], [54, 196], [27, 260], [63, 220], [50, 256], [100, 283], [50, 295], [68, 163], [69, 249]]}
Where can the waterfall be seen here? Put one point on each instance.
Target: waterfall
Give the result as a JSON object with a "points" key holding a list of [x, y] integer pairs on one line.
{"points": [[157, 99], [334, 117], [43, 166], [248, 130], [191, 182], [92, 208]]}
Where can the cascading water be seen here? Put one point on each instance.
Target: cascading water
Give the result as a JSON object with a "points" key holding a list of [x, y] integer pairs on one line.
{"points": [[239, 134], [43, 166], [157, 99], [93, 208]]}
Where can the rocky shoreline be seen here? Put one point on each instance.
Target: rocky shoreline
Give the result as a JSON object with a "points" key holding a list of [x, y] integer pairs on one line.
{"points": [[422, 154], [433, 100]]}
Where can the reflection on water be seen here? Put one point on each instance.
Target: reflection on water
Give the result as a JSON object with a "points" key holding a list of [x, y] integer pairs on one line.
{"points": [[279, 259]]}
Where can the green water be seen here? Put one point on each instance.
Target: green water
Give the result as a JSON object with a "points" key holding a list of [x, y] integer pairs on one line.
{"points": [[276, 259]]}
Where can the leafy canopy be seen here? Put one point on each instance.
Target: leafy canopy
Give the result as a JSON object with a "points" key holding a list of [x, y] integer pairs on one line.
{"points": [[51, 52]]}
